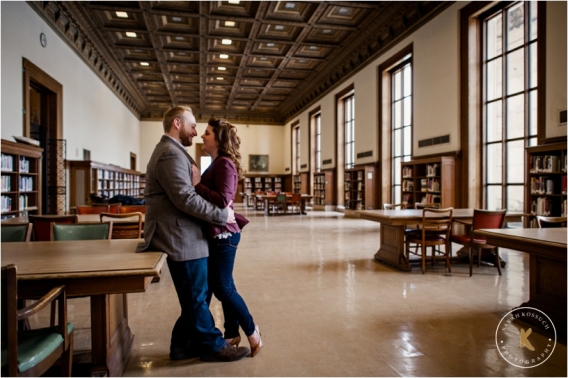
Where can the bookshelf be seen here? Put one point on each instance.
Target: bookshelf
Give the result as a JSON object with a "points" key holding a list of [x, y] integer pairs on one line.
{"points": [[300, 183], [263, 183], [324, 194], [21, 179], [105, 180], [430, 180], [545, 181], [359, 188]]}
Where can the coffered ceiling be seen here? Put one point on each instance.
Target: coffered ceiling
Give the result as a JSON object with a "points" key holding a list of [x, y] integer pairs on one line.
{"points": [[248, 61]]}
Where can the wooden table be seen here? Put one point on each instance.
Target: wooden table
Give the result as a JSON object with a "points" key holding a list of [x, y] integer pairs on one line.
{"points": [[547, 271], [271, 197], [104, 270], [393, 224], [87, 218]]}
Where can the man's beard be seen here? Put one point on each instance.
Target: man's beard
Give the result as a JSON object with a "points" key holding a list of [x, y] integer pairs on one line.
{"points": [[185, 139]]}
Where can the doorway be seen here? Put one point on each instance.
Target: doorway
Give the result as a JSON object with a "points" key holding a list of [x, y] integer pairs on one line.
{"points": [[42, 121]]}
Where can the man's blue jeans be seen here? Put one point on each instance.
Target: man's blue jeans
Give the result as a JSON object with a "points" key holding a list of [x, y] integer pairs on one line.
{"points": [[222, 253], [195, 327]]}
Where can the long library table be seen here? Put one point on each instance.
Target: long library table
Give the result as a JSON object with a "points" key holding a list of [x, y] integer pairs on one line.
{"points": [[271, 197], [393, 224], [547, 268], [104, 270], [87, 218]]}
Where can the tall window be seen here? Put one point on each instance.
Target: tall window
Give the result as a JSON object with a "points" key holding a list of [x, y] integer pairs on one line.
{"points": [[509, 110], [297, 149], [317, 121], [401, 111], [349, 104]]}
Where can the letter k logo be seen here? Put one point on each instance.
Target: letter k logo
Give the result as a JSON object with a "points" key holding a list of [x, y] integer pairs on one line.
{"points": [[524, 337]]}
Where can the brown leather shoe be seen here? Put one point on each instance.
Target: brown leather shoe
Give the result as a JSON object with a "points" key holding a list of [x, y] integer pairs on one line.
{"points": [[227, 354]]}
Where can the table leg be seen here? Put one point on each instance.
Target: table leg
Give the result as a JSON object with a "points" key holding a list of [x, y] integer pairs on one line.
{"points": [[303, 207], [266, 211], [391, 250], [110, 334]]}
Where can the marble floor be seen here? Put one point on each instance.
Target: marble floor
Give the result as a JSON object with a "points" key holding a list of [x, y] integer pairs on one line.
{"points": [[326, 308]]}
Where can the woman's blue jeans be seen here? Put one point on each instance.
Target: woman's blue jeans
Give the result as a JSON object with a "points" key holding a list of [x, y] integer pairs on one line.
{"points": [[222, 253]]}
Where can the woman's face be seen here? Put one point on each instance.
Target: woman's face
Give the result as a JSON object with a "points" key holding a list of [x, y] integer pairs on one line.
{"points": [[209, 143]]}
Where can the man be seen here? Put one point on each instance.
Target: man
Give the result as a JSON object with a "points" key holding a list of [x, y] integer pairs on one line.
{"points": [[173, 225]]}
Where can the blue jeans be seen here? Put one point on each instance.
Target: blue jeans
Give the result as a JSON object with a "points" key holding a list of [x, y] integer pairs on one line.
{"points": [[222, 254], [195, 327]]}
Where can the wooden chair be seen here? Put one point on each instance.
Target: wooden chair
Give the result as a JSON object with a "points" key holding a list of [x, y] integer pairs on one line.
{"points": [[42, 225], [482, 219], [550, 222], [83, 209], [132, 209], [126, 229], [30, 353], [21, 232], [294, 203], [435, 229], [81, 231], [279, 205]]}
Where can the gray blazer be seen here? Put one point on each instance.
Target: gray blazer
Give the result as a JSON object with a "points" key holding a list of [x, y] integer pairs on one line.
{"points": [[174, 211]]}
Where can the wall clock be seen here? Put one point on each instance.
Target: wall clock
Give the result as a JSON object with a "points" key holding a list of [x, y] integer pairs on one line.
{"points": [[42, 40]]}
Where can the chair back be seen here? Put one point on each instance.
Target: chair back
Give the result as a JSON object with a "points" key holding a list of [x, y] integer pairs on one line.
{"points": [[419, 206], [125, 229], [132, 209], [394, 206], [550, 222], [113, 208], [281, 198], [488, 218], [21, 232], [82, 209], [42, 225], [81, 231], [437, 220]]}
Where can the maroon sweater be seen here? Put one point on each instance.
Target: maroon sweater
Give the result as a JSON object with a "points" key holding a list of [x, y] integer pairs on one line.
{"points": [[218, 185]]}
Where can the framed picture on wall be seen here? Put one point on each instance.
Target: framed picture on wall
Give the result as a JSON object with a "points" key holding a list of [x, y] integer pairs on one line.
{"points": [[258, 163]]}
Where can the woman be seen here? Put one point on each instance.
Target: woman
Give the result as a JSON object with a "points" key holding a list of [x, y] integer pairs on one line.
{"points": [[219, 185]]}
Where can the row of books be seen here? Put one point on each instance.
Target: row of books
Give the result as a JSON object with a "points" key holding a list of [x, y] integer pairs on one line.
{"points": [[544, 206], [353, 176], [6, 184], [110, 175], [433, 170], [429, 185], [543, 185], [6, 204], [407, 172], [26, 184], [7, 164], [354, 186], [546, 164], [407, 186], [24, 202], [357, 197]]}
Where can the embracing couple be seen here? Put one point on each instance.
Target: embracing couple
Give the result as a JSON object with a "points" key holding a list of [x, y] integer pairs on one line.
{"points": [[190, 217]]}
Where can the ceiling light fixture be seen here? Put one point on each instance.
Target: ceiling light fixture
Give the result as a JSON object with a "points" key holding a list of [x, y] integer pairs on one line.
{"points": [[176, 19], [233, 2], [121, 14], [221, 68], [270, 44], [230, 23], [181, 53], [313, 48], [131, 34], [180, 38], [326, 31], [219, 78], [279, 27], [223, 56], [343, 10], [226, 41], [290, 5], [144, 63]]}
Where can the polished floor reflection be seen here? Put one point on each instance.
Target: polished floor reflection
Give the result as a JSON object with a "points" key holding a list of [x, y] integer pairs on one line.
{"points": [[326, 308]]}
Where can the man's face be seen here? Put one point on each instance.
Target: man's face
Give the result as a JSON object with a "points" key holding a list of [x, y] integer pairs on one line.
{"points": [[187, 129]]}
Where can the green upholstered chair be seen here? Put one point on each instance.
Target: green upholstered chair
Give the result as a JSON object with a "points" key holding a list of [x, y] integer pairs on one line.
{"points": [[21, 232], [81, 231], [30, 353], [42, 225]]}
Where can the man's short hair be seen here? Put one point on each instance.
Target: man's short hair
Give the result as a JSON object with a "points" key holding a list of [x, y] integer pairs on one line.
{"points": [[172, 113]]}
